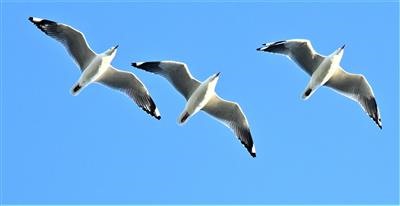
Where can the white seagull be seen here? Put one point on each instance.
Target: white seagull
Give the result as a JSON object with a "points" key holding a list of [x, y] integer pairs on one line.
{"points": [[326, 71], [202, 96], [97, 67]]}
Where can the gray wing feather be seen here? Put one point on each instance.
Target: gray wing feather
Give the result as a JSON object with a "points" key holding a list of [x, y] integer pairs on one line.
{"points": [[176, 73], [232, 116], [129, 84], [357, 88], [73, 40], [299, 51]]}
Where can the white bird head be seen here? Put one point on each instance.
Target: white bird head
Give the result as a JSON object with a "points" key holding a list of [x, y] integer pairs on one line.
{"points": [[215, 77], [337, 55], [340, 51], [212, 80], [112, 51]]}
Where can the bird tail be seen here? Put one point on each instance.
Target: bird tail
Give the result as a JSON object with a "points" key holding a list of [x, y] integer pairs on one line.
{"points": [[307, 93], [75, 89], [184, 116]]}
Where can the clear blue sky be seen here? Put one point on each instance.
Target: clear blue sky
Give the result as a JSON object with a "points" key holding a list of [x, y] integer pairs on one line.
{"points": [[99, 147]]}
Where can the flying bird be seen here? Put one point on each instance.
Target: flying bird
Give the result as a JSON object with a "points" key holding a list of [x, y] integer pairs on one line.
{"points": [[97, 67], [326, 71], [202, 96]]}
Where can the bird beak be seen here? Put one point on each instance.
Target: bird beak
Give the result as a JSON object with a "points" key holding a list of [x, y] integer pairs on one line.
{"points": [[215, 76], [116, 47], [341, 48]]}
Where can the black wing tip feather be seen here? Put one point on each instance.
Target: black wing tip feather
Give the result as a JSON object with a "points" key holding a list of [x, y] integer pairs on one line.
{"points": [[374, 113], [276, 43], [253, 154], [273, 47], [158, 117], [376, 120], [249, 149], [152, 113], [42, 23], [135, 64], [152, 109], [249, 145], [147, 66]]}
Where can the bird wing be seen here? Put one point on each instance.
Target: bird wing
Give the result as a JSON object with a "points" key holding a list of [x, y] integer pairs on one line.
{"points": [[299, 51], [357, 88], [73, 40], [129, 84], [233, 117], [177, 73]]}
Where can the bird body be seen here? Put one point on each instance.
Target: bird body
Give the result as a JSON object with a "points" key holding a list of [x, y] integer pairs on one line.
{"points": [[95, 70], [97, 67], [200, 97], [326, 71]]}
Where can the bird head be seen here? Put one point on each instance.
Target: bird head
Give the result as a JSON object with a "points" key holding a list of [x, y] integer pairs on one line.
{"points": [[112, 51], [212, 80], [340, 50]]}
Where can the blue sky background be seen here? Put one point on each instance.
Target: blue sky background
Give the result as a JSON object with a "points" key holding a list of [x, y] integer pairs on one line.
{"points": [[99, 147]]}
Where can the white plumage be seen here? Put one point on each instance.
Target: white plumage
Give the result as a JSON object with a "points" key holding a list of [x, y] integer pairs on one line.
{"points": [[97, 67], [326, 71]]}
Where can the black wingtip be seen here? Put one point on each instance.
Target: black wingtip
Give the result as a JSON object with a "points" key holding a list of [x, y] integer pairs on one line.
{"points": [[274, 47], [374, 113], [152, 113], [253, 154], [377, 121], [33, 21], [42, 24], [40, 21], [249, 145], [251, 151], [139, 65], [152, 66], [279, 42], [152, 109]]}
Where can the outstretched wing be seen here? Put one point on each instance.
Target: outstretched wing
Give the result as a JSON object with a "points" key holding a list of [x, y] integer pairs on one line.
{"points": [[357, 88], [299, 51], [232, 116], [73, 40], [176, 73], [132, 86]]}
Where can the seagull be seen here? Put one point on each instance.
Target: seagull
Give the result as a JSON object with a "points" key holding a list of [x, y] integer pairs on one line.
{"points": [[326, 71], [97, 67], [202, 96]]}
